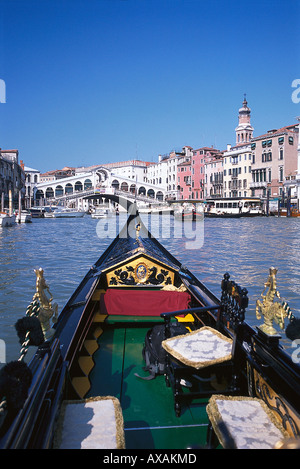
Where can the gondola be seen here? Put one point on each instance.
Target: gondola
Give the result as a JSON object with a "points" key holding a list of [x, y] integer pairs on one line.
{"points": [[87, 384]]}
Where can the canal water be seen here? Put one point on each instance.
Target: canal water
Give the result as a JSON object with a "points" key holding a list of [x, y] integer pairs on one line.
{"points": [[67, 248]]}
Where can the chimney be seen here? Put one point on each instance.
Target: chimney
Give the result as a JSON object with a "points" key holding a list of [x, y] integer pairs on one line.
{"points": [[22, 164]]}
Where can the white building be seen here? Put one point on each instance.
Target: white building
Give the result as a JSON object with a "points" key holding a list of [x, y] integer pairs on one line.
{"points": [[237, 159], [32, 178], [164, 173]]}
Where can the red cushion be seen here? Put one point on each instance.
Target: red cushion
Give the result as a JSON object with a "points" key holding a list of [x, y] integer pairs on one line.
{"points": [[142, 302]]}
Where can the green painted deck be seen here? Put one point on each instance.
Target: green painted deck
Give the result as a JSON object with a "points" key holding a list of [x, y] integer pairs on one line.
{"points": [[148, 406]]}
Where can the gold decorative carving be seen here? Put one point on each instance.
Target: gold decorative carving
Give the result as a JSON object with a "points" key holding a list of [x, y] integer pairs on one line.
{"points": [[47, 308], [281, 409], [140, 271], [271, 311]]}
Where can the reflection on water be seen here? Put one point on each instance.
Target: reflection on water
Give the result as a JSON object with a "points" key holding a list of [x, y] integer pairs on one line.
{"points": [[66, 248]]}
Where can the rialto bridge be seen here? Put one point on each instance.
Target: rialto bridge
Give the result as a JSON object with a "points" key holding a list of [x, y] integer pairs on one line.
{"points": [[97, 183]]}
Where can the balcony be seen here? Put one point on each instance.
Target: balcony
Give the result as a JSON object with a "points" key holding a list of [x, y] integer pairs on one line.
{"points": [[256, 185]]}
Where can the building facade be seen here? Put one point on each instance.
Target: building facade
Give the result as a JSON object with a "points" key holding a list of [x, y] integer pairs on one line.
{"points": [[12, 179], [275, 162], [214, 175], [237, 159]]}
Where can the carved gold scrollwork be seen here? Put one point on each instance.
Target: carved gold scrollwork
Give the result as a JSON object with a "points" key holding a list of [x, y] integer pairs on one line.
{"points": [[140, 272], [281, 410]]}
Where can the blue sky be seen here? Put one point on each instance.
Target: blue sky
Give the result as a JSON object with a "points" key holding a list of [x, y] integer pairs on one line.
{"points": [[97, 81]]}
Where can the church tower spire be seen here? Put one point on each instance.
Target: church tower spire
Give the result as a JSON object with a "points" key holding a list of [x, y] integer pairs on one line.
{"points": [[244, 131]]}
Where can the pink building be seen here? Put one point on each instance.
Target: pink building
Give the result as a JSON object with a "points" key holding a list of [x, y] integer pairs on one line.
{"points": [[213, 174], [274, 161], [184, 179], [191, 177]]}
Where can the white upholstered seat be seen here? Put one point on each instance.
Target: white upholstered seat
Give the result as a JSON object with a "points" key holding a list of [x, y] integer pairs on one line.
{"points": [[201, 348], [248, 421], [95, 423]]}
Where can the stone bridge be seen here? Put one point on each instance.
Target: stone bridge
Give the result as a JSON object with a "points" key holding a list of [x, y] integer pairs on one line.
{"points": [[95, 184]]}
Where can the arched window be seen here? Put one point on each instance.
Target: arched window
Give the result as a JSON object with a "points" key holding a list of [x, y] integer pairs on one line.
{"points": [[150, 193]]}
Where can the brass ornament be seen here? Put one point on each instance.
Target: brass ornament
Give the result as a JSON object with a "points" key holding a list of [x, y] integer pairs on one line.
{"points": [[47, 308], [271, 311]]}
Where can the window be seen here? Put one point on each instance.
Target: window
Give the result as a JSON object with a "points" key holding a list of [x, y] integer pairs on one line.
{"points": [[253, 158], [291, 140], [280, 173], [281, 153]]}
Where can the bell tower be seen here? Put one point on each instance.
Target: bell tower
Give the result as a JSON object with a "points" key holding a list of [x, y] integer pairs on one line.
{"points": [[244, 131]]}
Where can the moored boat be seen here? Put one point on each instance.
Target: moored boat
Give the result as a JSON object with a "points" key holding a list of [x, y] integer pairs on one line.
{"points": [[37, 212], [68, 213], [189, 212], [6, 219], [24, 217], [88, 366], [102, 211]]}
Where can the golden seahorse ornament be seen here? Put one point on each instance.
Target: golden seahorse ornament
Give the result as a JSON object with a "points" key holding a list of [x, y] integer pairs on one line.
{"points": [[47, 308], [270, 310]]}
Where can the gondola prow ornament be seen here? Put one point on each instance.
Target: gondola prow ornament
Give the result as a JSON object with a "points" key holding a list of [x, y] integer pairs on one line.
{"points": [[47, 308], [271, 311]]}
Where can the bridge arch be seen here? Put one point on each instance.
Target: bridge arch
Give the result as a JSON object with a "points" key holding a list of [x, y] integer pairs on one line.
{"points": [[78, 186], [69, 188], [115, 184], [59, 191], [150, 193], [39, 194], [87, 184], [159, 195], [142, 191], [49, 193], [124, 186]]}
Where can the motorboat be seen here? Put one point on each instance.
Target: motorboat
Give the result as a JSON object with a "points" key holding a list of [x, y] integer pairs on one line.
{"points": [[189, 212], [68, 213], [26, 216], [102, 211]]}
